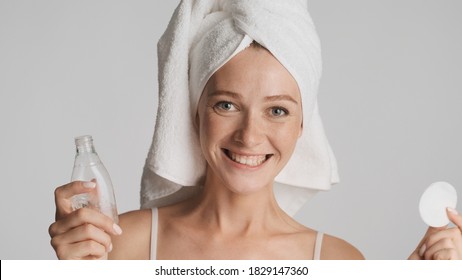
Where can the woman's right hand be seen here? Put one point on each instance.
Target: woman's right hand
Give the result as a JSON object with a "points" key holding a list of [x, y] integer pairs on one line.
{"points": [[81, 234]]}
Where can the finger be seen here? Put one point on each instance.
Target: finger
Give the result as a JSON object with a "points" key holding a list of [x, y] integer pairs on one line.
{"points": [[455, 217], [69, 190], [430, 232], [84, 216], [82, 250], [83, 233], [444, 244], [445, 254], [63, 195], [414, 255], [450, 233], [420, 250]]}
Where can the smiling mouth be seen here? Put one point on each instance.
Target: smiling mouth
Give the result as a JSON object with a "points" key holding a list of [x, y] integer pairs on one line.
{"points": [[251, 161]]}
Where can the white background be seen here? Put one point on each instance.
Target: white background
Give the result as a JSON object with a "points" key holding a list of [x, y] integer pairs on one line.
{"points": [[390, 100]]}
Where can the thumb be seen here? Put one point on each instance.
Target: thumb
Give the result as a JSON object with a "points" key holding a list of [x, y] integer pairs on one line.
{"points": [[63, 195], [454, 217]]}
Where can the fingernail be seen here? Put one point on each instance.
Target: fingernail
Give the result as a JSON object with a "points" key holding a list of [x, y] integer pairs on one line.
{"points": [[89, 185], [117, 229], [452, 210], [422, 250], [110, 248]]}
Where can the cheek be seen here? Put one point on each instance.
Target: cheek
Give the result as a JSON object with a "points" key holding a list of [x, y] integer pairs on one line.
{"points": [[204, 131], [212, 129], [287, 137], [207, 128]]}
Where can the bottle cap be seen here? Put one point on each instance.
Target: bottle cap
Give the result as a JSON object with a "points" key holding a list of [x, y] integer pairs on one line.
{"points": [[434, 201]]}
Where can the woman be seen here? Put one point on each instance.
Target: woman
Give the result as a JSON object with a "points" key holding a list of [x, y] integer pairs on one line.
{"points": [[246, 133]]}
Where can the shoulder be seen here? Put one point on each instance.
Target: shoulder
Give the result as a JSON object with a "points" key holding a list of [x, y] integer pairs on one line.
{"points": [[135, 240], [133, 221], [334, 248]]}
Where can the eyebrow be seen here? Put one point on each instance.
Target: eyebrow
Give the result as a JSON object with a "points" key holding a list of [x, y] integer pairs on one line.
{"points": [[224, 92], [267, 98], [281, 97]]}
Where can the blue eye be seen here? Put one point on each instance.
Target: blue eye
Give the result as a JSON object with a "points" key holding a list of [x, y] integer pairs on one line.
{"points": [[225, 106], [278, 112]]}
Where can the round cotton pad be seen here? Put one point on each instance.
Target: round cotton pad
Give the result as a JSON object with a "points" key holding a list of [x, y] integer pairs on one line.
{"points": [[434, 201]]}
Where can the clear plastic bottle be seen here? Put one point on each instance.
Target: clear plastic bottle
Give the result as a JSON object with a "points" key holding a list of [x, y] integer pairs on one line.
{"points": [[88, 167]]}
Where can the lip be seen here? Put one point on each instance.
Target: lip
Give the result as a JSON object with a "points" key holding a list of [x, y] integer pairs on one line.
{"points": [[245, 166]]}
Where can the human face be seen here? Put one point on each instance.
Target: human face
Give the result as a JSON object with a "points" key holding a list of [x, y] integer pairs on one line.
{"points": [[249, 119]]}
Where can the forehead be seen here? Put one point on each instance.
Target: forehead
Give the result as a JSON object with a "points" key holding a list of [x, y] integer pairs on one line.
{"points": [[254, 70]]}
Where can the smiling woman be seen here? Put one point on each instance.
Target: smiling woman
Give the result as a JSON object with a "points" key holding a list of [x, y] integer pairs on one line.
{"points": [[249, 123], [239, 146]]}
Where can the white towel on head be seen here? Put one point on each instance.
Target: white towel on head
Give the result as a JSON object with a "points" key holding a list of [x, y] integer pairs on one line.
{"points": [[201, 37]]}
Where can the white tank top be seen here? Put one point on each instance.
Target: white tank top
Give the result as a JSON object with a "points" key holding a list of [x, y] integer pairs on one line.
{"points": [[154, 226]]}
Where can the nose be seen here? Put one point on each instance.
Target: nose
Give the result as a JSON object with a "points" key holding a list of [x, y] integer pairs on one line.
{"points": [[250, 132]]}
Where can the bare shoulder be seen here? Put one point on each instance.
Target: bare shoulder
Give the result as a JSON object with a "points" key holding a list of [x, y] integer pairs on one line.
{"points": [[334, 248], [135, 240]]}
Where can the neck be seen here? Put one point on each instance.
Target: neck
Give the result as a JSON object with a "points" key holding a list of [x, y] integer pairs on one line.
{"points": [[236, 213]]}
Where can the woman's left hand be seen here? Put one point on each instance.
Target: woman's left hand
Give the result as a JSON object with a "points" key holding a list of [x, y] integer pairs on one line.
{"points": [[441, 243]]}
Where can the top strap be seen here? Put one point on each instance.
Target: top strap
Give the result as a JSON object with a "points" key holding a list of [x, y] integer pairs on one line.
{"points": [[154, 222], [317, 246]]}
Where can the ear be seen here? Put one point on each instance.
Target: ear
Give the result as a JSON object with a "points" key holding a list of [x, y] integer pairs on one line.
{"points": [[301, 130]]}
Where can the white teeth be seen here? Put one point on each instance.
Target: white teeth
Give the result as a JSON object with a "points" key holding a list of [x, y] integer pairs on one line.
{"points": [[247, 160]]}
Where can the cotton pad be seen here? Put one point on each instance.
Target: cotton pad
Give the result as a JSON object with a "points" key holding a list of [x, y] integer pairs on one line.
{"points": [[434, 201]]}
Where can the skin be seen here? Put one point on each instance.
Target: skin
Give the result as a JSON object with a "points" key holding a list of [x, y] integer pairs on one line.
{"points": [[255, 114]]}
